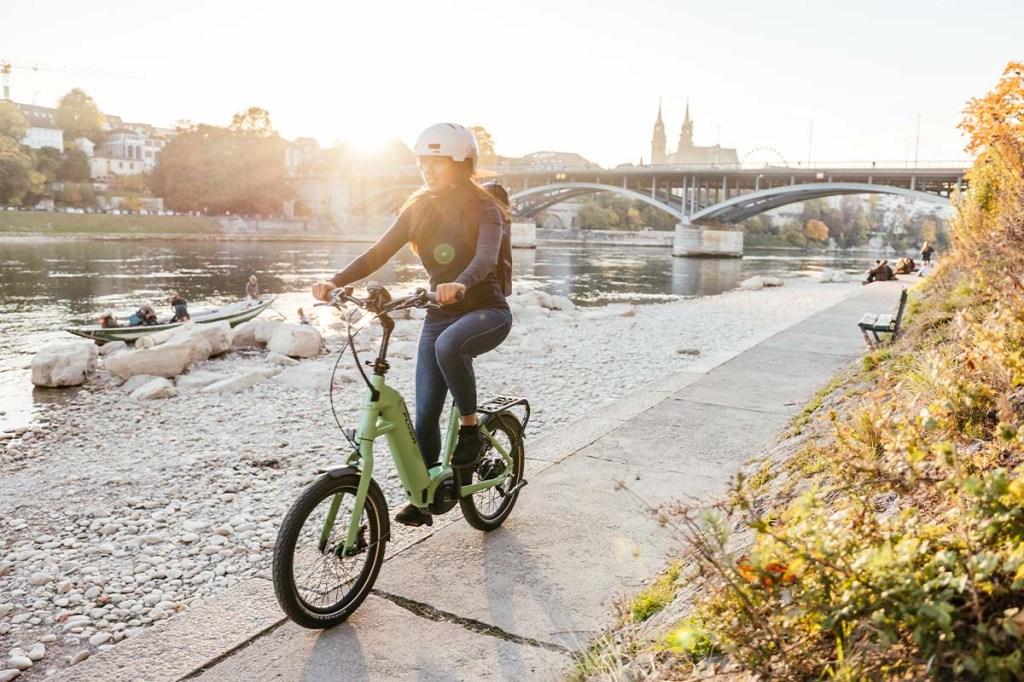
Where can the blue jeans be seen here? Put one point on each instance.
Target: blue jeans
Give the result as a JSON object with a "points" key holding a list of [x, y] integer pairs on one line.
{"points": [[444, 363]]}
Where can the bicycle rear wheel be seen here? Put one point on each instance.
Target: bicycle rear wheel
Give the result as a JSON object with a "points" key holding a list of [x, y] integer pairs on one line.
{"points": [[316, 583], [487, 509]]}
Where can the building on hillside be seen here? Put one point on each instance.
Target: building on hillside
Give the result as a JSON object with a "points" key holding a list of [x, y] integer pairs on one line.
{"points": [[134, 142], [106, 169], [555, 161], [687, 153], [43, 130], [87, 146], [301, 156], [127, 149]]}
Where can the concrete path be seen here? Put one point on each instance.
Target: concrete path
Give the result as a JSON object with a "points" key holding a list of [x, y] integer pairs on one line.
{"points": [[516, 603]]}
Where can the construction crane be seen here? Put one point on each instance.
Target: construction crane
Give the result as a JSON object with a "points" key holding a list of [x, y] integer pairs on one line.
{"points": [[6, 67]]}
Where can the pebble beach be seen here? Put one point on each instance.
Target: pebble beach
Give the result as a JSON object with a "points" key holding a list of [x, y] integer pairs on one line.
{"points": [[117, 514]]}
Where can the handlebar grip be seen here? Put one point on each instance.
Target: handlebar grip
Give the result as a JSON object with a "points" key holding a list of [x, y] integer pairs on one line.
{"points": [[431, 296]]}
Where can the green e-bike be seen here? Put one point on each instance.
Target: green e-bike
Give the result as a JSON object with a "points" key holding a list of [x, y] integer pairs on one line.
{"points": [[330, 546]]}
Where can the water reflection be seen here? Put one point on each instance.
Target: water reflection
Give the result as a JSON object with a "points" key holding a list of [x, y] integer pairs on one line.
{"points": [[705, 276], [46, 286]]}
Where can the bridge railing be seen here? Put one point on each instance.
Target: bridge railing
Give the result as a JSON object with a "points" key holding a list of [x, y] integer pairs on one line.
{"points": [[797, 165]]}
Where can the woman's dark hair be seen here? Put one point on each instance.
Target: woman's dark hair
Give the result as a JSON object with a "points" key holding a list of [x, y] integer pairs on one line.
{"points": [[461, 204]]}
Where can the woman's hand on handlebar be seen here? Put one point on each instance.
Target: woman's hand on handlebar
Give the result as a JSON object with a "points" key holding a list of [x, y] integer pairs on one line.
{"points": [[449, 292], [322, 290]]}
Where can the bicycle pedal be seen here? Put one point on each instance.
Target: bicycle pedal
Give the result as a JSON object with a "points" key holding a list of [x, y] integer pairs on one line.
{"points": [[513, 490]]}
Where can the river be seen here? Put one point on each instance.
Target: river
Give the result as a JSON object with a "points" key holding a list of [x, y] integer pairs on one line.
{"points": [[48, 285]]}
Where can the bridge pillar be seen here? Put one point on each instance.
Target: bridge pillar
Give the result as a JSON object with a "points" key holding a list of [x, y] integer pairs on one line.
{"points": [[524, 235], [696, 241]]}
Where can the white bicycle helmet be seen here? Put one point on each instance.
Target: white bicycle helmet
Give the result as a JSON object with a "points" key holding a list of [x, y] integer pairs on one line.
{"points": [[448, 139]]}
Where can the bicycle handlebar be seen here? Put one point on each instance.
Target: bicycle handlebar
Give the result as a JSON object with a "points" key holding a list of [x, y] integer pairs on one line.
{"points": [[379, 301]]}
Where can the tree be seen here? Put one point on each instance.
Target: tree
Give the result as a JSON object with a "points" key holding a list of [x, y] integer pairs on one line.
{"points": [[239, 169], [78, 115], [793, 232], [593, 216], [816, 230], [12, 123], [48, 162], [995, 128], [15, 171], [488, 158], [254, 122], [74, 167]]}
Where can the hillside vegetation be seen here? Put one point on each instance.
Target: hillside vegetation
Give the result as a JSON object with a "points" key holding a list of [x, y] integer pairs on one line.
{"points": [[884, 537]]}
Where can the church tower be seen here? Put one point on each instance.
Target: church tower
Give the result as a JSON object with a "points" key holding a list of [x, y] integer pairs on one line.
{"points": [[686, 132], [658, 143]]}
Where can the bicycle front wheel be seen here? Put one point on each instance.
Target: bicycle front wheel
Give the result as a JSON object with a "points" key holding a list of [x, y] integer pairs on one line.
{"points": [[487, 509], [318, 583]]}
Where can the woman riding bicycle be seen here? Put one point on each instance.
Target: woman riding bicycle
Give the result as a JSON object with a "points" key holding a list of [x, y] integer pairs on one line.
{"points": [[455, 227]]}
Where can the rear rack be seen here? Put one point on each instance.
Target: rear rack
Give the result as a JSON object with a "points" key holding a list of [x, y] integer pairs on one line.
{"points": [[502, 403]]}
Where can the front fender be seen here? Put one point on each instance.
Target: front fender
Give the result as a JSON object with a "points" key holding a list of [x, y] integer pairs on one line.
{"points": [[338, 472]]}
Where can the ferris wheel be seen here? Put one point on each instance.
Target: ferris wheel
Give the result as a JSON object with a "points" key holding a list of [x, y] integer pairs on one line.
{"points": [[759, 157]]}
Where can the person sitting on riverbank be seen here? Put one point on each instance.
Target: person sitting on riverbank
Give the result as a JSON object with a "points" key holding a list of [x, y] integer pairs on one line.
{"points": [[107, 319], [880, 273], [252, 289], [905, 266], [180, 306], [302, 317], [144, 316]]}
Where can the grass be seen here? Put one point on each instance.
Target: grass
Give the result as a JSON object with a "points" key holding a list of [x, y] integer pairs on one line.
{"points": [[38, 222], [653, 599]]}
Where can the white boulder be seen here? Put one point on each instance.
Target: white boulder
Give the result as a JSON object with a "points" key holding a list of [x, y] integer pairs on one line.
{"points": [[254, 333], [307, 377], [218, 336], [294, 340], [265, 329], [236, 383], [278, 359], [136, 382], [111, 347], [838, 276], [65, 364], [753, 283], [193, 381], [168, 360], [154, 389], [562, 303]]}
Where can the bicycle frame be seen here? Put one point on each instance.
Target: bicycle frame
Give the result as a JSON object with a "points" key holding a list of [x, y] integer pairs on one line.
{"points": [[388, 416]]}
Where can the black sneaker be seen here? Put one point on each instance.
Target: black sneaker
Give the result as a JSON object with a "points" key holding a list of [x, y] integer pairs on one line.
{"points": [[468, 448], [411, 515]]}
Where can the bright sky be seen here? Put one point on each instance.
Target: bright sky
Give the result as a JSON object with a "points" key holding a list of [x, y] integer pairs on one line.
{"points": [[563, 75]]}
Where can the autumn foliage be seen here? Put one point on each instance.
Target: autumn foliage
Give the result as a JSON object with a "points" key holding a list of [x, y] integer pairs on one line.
{"points": [[891, 544]]}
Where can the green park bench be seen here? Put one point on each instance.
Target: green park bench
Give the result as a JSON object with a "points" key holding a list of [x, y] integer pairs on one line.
{"points": [[882, 323]]}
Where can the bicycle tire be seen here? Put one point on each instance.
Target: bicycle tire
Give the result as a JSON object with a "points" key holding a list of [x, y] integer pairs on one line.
{"points": [[487, 509], [350, 577]]}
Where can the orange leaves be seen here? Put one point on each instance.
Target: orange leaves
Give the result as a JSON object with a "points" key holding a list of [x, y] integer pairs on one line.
{"points": [[999, 115], [768, 576]]}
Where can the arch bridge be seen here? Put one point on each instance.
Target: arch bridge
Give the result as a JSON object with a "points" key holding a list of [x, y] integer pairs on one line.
{"points": [[707, 196]]}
